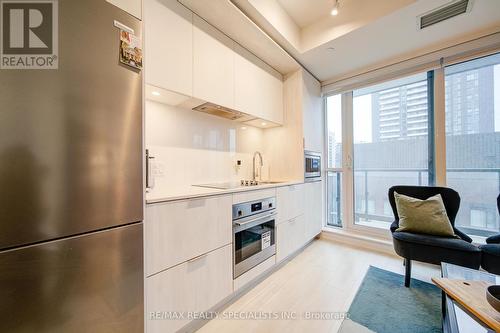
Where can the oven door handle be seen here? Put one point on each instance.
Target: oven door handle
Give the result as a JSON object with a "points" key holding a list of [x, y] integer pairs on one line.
{"points": [[243, 225]]}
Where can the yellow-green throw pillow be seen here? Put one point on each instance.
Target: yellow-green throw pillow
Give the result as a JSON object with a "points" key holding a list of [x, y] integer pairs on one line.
{"points": [[423, 216]]}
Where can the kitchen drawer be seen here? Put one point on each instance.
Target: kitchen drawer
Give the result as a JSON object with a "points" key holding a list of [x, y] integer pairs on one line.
{"points": [[290, 202], [249, 276], [290, 237], [179, 231], [193, 286], [247, 196]]}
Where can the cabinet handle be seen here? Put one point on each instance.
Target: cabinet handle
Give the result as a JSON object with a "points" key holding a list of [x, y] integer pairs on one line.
{"points": [[197, 258]]}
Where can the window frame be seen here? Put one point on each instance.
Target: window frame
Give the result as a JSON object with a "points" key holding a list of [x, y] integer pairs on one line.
{"points": [[437, 146]]}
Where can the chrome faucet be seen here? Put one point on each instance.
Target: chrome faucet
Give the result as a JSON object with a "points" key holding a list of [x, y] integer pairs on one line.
{"points": [[255, 173]]}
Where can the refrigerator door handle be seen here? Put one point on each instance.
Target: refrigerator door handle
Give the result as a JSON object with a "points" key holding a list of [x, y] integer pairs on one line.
{"points": [[149, 177]]}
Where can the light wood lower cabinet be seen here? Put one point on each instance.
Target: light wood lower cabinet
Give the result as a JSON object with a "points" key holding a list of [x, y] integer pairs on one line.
{"points": [[290, 202], [179, 231], [253, 195], [193, 286], [313, 209], [290, 237]]}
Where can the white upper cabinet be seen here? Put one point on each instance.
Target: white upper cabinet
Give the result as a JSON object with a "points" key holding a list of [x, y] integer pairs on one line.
{"points": [[312, 106], [169, 46], [258, 88], [213, 64], [272, 97], [187, 55], [133, 7], [247, 84]]}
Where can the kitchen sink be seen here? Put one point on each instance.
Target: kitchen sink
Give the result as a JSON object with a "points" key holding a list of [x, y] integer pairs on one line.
{"points": [[231, 185]]}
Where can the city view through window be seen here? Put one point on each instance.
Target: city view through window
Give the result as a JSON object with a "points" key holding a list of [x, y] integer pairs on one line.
{"points": [[391, 135]]}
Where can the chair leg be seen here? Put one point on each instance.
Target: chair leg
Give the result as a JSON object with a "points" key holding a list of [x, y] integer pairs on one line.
{"points": [[407, 264]]}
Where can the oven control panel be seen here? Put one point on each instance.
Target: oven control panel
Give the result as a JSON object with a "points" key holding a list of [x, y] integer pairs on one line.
{"points": [[245, 209]]}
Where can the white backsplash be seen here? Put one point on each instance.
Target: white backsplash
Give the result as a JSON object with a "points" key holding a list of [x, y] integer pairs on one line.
{"points": [[190, 147]]}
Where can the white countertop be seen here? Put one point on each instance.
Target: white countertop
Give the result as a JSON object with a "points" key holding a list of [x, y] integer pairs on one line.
{"points": [[190, 191]]}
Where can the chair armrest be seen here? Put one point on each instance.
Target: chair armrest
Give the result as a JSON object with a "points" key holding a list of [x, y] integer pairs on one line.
{"points": [[462, 235], [394, 226], [493, 239]]}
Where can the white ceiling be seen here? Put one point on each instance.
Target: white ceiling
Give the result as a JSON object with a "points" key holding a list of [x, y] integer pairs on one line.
{"points": [[365, 35], [223, 15], [305, 24], [305, 13], [396, 37]]}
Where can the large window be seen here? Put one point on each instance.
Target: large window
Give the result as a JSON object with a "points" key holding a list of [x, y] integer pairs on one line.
{"points": [[390, 130], [472, 97], [391, 133]]}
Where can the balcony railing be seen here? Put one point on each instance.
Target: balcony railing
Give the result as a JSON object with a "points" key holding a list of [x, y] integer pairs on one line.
{"points": [[475, 185]]}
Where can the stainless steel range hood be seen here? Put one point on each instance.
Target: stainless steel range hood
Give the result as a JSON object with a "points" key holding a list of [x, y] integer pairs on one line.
{"points": [[219, 111]]}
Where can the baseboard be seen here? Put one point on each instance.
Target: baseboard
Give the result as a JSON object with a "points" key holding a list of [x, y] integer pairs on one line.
{"points": [[357, 240]]}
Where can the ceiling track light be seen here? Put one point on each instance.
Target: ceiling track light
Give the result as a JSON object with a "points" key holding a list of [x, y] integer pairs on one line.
{"points": [[335, 9]]}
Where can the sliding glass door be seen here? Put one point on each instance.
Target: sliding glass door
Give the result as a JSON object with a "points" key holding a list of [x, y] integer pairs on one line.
{"points": [[334, 160], [472, 97], [391, 140], [388, 134]]}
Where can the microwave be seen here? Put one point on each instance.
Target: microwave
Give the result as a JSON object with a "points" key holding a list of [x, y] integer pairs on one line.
{"points": [[312, 168]]}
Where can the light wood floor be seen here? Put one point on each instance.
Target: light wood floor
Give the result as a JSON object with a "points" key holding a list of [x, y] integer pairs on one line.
{"points": [[324, 277]]}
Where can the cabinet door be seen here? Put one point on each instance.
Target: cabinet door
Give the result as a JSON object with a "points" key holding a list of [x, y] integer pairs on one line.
{"points": [[258, 90], [193, 286], [312, 113], [133, 7], [213, 64], [289, 237], [290, 202], [272, 88], [283, 241], [313, 209], [169, 46], [179, 231], [248, 86]]}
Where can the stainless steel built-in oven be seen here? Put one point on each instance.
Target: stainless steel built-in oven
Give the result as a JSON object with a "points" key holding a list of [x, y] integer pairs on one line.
{"points": [[312, 168], [253, 234]]}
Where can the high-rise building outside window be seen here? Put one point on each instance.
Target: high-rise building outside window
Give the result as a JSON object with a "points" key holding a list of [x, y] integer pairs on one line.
{"points": [[473, 142], [390, 131]]}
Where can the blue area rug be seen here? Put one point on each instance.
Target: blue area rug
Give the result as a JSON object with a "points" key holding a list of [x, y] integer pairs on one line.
{"points": [[383, 304]]}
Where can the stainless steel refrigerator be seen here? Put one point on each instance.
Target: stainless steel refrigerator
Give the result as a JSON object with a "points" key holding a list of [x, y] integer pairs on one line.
{"points": [[71, 183]]}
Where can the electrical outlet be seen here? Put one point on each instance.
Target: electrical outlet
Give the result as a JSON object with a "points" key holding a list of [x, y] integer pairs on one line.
{"points": [[158, 169]]}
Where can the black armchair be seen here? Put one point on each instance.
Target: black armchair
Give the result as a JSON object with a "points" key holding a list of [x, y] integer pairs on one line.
{"points": [[491, 251], [428, 248]]}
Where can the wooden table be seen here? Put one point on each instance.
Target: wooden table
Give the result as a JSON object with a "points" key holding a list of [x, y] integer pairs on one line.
{"points": [[456, 317]]}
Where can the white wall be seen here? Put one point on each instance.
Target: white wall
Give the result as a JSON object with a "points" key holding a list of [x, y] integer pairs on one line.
{"points": [[194, 148], [280, 20]]}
